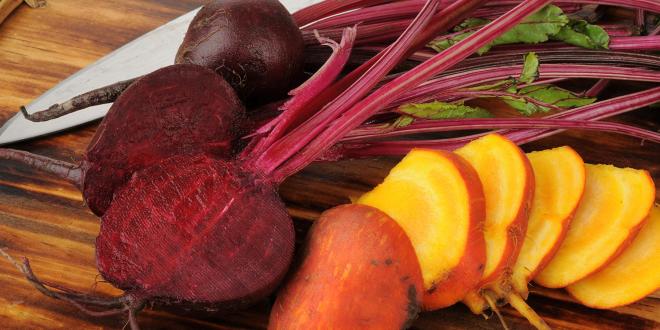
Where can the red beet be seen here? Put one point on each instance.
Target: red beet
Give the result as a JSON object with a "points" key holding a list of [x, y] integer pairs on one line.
{"points": [[254, 44], [196, 229], [180, 109]]}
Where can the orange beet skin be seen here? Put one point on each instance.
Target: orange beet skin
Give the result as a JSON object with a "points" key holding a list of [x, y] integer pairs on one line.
{"points": [[359, 271]]}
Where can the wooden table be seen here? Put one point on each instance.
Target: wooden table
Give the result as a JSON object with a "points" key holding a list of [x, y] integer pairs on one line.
{"points": [[45, 220]]}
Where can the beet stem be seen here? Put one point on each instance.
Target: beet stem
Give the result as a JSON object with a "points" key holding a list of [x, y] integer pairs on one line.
{"points": [[597, 88], [449, 125], [61, 169], [326, 8], [355, 114], [440, 22], [294, 110], [299, 138], [103, 95], [593, 112]]}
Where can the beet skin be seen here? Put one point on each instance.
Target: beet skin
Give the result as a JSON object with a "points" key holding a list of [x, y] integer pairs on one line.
{"points": [[254, 44], [197, 230], [180, 109]]}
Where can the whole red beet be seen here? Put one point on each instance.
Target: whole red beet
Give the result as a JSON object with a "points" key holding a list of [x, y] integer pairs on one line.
{"points": [[254, 44]]}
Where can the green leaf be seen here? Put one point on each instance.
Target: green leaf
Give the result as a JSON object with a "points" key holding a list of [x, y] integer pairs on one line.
{"points": [[495, 86], [530, 69], [471, 23], [549, 94], [403, 121], [443, 110], [581, 33], [440, 45], [536, 28]]}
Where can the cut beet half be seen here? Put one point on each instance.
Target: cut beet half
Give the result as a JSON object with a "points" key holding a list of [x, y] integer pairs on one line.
{"points": [[192, 238]]}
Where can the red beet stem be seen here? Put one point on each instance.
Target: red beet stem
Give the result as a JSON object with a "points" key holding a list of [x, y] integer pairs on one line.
{"points": [[619, 30], [597, 88], [103, 95], [61, 169], [642, 43], [294, 109], [656, 31], [650, 5], [512, 56], [450, 125], [440, 23], [459, 94], [596, 111], [384, 23], [410, 8], [467, 78], [284, 148], [385, 12], [367, 33], [353, 115], [322, 9]]}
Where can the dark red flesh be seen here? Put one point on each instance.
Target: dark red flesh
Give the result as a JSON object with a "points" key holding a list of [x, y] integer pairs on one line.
{"points": [[254, 44], [196, 229], [180, 109]]}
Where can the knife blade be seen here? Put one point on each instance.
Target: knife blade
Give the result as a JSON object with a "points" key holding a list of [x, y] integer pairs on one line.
{"points": [[145, 54]]}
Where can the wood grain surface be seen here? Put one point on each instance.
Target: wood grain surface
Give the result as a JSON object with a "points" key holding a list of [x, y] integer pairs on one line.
{"points": [[45, 220]]}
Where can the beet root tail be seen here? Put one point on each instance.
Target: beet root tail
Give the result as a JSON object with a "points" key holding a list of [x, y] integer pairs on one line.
{"points": [[61, 169], [103, 95], [110, 306], [525, 310]]}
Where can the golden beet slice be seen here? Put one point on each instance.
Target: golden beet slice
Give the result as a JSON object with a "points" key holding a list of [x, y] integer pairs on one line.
{"points": [[615, 203], [438, 200], [508, 183], [359, 272], [560, 178], [630, 277]]}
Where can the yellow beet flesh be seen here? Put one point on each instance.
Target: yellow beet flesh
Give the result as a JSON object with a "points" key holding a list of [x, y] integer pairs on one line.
{"points": [[630, 277], [436, 197], [614, 205], [560, 179], [508, 183]]}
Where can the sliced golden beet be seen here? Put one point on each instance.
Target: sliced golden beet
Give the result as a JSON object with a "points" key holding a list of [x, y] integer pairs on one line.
{"points": [[359, 272], [615, 203], [437, 199], [560, 178], [508, 182], [630, 277]]}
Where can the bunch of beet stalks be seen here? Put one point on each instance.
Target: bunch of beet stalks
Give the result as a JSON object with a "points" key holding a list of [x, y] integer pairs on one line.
{"points": [[185, 179]]}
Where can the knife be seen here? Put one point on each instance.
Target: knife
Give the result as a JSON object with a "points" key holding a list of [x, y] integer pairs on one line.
{"points": [[152, 51]]}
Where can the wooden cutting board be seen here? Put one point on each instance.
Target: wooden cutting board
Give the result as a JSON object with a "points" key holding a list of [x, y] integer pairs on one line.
{"points": [[45, 220]]}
